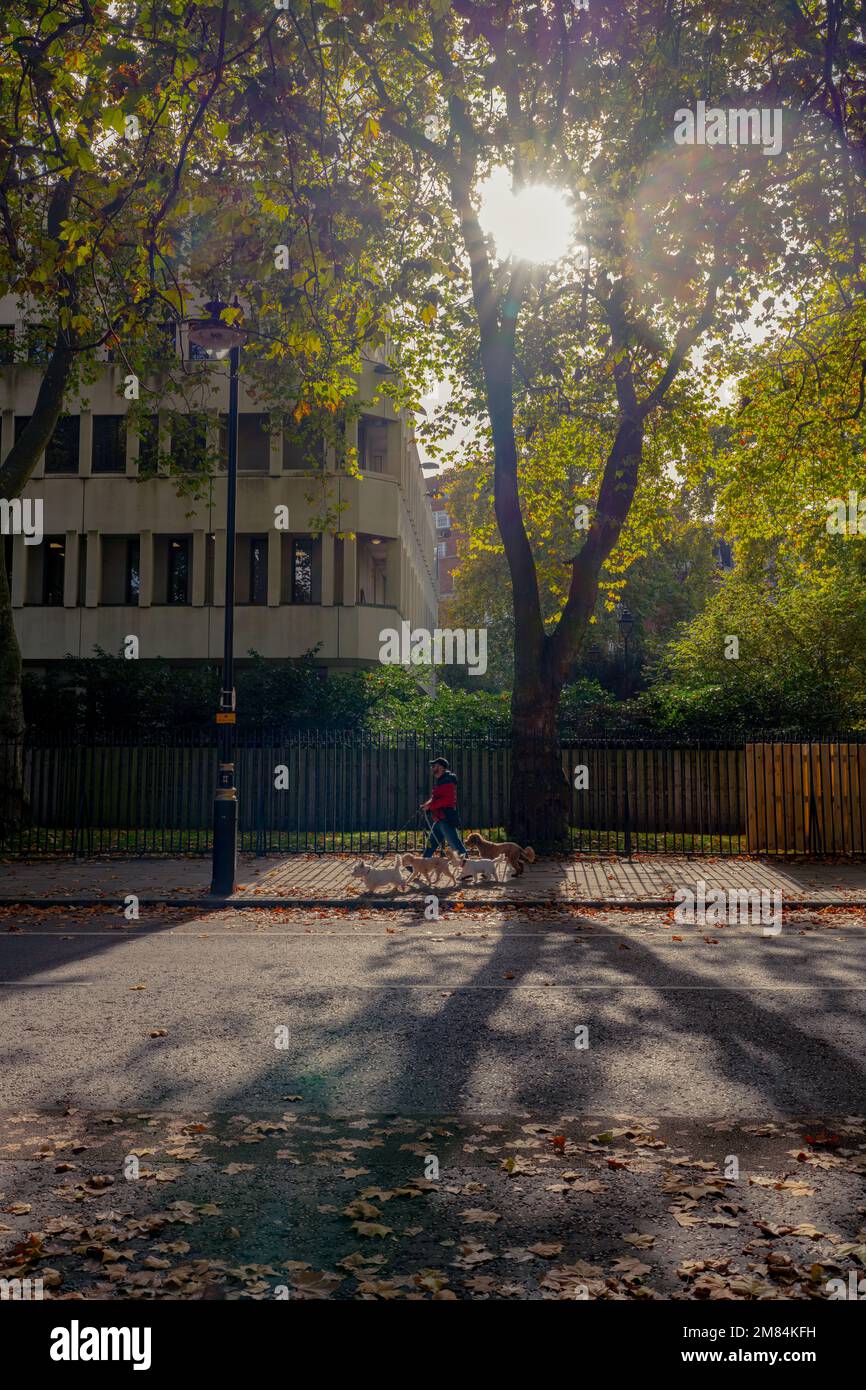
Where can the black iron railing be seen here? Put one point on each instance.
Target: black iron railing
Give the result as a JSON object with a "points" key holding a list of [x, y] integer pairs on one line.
{"points": [[302, 791]]}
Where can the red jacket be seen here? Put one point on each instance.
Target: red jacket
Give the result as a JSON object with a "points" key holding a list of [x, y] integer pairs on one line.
{"points": [[444, 796]]}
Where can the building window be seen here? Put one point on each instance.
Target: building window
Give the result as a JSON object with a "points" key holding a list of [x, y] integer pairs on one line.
{"points": [[303, 445], [120, 570], [189, 442], [254, 443], [177, 576], [339, 570], [302, 572], [373, 445], [301, 569], [209, 567], [109, 444], [171, 569], [258, 569], [38, 345], [81, 577], [61, 452], [379, 574], [132, 572], [7, 344], [251, 575], [443, 521], [148, 443], [53, 569]]}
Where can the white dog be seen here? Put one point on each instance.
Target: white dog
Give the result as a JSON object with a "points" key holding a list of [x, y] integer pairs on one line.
{"points": [[483, 868], [372, 877]]}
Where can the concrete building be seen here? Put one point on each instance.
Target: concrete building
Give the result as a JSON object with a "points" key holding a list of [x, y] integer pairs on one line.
{"points": [[124, 555]]}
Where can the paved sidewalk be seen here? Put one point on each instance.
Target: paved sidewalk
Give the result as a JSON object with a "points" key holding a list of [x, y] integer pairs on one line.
{"points": [[325, 880]]}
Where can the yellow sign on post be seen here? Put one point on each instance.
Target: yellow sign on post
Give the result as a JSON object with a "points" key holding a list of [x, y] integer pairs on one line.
{"points": [[227, 717]]}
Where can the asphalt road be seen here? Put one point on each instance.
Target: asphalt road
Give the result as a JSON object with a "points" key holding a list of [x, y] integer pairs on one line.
{"points": [[393, 1014]]}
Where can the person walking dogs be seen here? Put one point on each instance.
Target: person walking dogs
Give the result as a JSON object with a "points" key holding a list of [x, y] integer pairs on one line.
{"points": [[442, 806]]}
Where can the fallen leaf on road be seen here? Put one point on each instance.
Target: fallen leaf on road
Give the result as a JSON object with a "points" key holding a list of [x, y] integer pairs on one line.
{"points": [[630, 1268], [363, 1210]]}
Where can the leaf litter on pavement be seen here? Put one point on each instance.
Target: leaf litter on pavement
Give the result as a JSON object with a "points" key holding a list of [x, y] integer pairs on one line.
{"points": [[306, 1206]]}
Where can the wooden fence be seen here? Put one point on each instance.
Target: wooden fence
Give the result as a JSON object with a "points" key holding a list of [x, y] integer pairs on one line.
{"points": [[325, 791], [805, 798]]}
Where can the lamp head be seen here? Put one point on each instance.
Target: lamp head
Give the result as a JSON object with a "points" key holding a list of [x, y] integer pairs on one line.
{"points": [[213, 335]]}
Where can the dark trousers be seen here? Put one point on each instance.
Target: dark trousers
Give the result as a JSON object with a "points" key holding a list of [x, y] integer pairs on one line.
{"points": [[443, 833]]}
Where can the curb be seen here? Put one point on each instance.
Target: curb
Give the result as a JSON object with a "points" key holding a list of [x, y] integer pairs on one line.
{"points": [[395, 904]]}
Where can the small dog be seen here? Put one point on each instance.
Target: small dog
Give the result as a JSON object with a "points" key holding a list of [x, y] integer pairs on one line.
{"points": [[513, 852], [431, 870], [372, 877], [488, 868]]}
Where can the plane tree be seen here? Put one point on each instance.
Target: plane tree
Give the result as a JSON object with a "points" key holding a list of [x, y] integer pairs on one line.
{"points": [[677, 247]]}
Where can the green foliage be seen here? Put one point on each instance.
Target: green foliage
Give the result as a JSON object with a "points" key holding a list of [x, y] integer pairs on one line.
{"points": [[663, 571], [586, 704], [107, 691], [399, 703], [151, 696], [802, 658]]}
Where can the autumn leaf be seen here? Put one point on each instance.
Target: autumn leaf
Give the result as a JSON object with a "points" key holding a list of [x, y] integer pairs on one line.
{"points": [[640, 1242], [363, 1210]]}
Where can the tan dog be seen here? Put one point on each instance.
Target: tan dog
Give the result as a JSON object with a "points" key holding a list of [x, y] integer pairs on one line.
{"points": [[431, 870], [513, 852]]}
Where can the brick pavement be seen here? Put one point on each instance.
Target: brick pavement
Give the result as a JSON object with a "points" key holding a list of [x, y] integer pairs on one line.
{"points": [[326, 878]]}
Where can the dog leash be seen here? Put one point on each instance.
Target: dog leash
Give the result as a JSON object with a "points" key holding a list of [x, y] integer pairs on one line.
{"points": [[413, 820]]}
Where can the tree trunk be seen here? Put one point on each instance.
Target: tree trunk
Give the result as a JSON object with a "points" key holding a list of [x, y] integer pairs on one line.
{"points": [[539, 789], [12, 800]]}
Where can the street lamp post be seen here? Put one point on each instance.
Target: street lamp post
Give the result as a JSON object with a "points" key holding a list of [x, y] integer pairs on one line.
{"points": [[625, 622], [220, 339]]}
